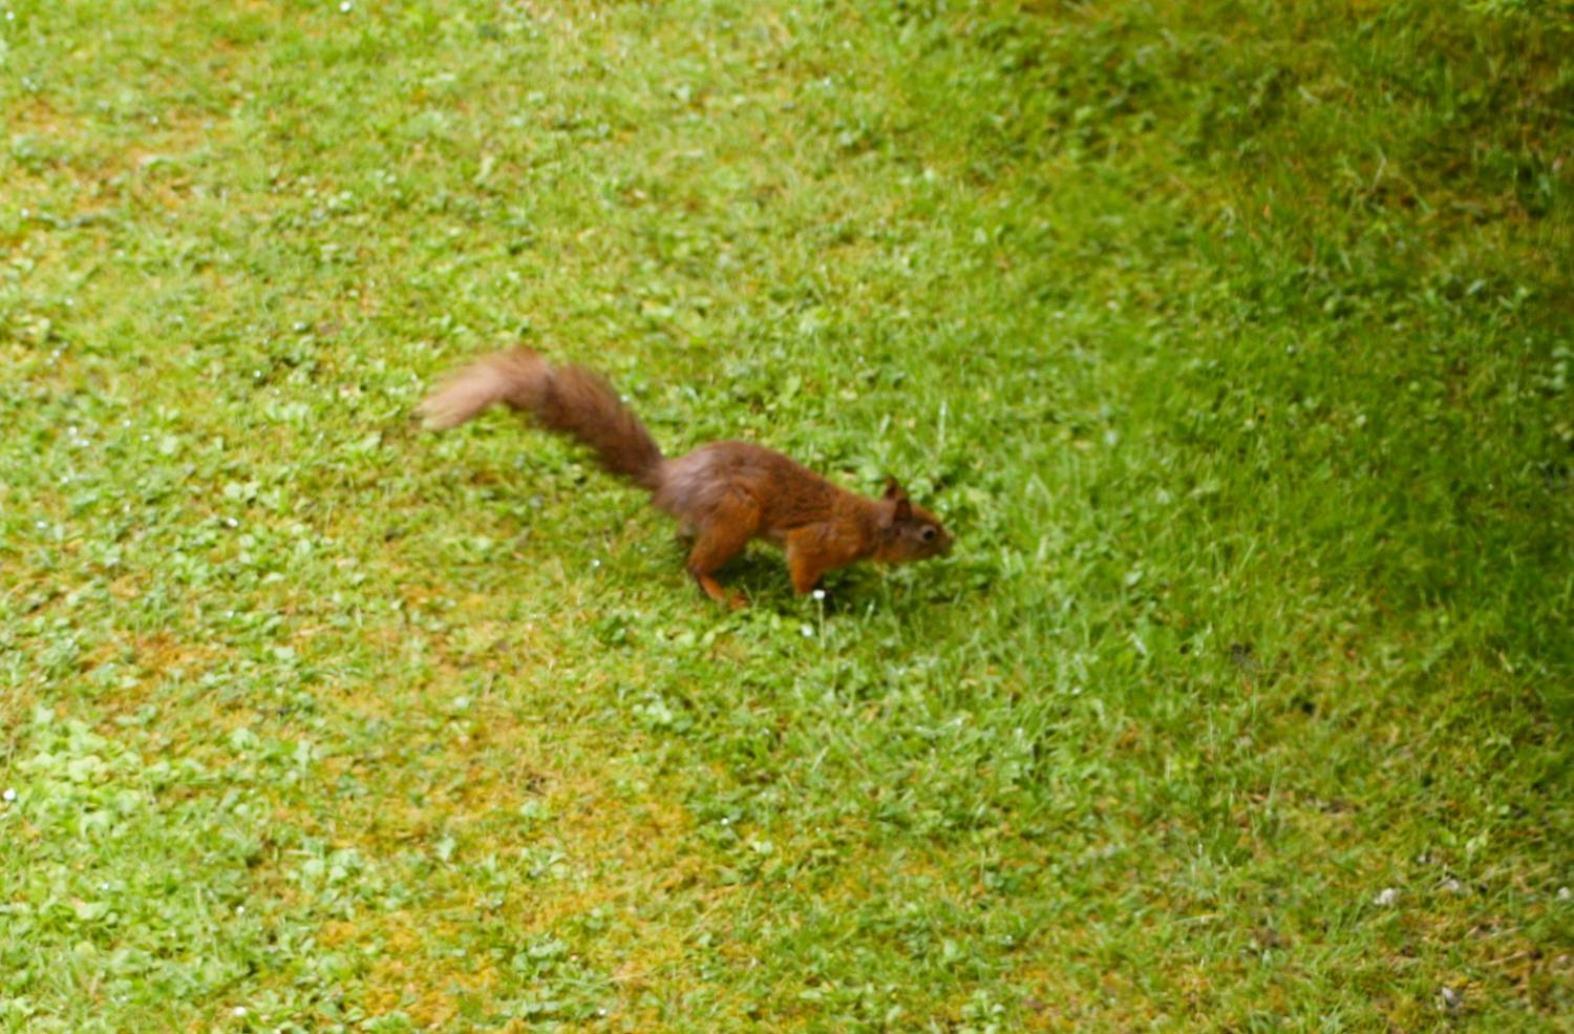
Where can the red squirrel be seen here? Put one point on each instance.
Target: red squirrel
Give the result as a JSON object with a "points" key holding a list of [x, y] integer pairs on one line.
{"points": [[723, 494]]}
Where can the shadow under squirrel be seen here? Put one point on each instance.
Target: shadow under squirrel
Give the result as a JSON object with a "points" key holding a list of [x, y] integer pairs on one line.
{"points": [[723, 494]]}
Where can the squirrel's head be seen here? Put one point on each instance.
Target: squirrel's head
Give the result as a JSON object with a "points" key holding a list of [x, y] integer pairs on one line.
{"points": [[910, 532]]}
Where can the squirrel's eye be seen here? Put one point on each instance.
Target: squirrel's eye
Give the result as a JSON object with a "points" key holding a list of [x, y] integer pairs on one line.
{"points": [[928, 534]]}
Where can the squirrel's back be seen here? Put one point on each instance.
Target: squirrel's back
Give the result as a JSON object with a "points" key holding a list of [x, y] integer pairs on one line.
{"points": [[783, 492]]}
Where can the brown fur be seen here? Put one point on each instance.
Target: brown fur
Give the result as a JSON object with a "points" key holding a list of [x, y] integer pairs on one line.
{"points": [[723, 494]]}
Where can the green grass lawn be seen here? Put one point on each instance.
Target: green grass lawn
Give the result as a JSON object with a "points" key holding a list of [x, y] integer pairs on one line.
{"points": [[1233, 341]]}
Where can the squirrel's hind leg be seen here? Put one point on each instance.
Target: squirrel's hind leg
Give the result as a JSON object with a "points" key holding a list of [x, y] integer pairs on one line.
{"points": [[723, 537]]}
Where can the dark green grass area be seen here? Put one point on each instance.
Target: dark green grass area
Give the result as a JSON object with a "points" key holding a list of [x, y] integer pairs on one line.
{"points": [[1231, 339]]}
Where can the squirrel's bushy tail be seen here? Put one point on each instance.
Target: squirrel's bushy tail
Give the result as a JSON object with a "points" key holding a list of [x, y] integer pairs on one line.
{"points": [[568, 399]]}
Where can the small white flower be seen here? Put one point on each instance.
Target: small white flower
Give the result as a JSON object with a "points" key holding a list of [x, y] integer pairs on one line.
{"points": [[239, 1010], [1563, 892], [345, 7], [819, 594], [808, 631], [9, 795], [1386, 897]]}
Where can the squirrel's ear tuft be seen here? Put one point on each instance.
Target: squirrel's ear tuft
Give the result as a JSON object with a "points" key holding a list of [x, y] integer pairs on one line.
{"points": [[893, 490], [903, 510]]}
